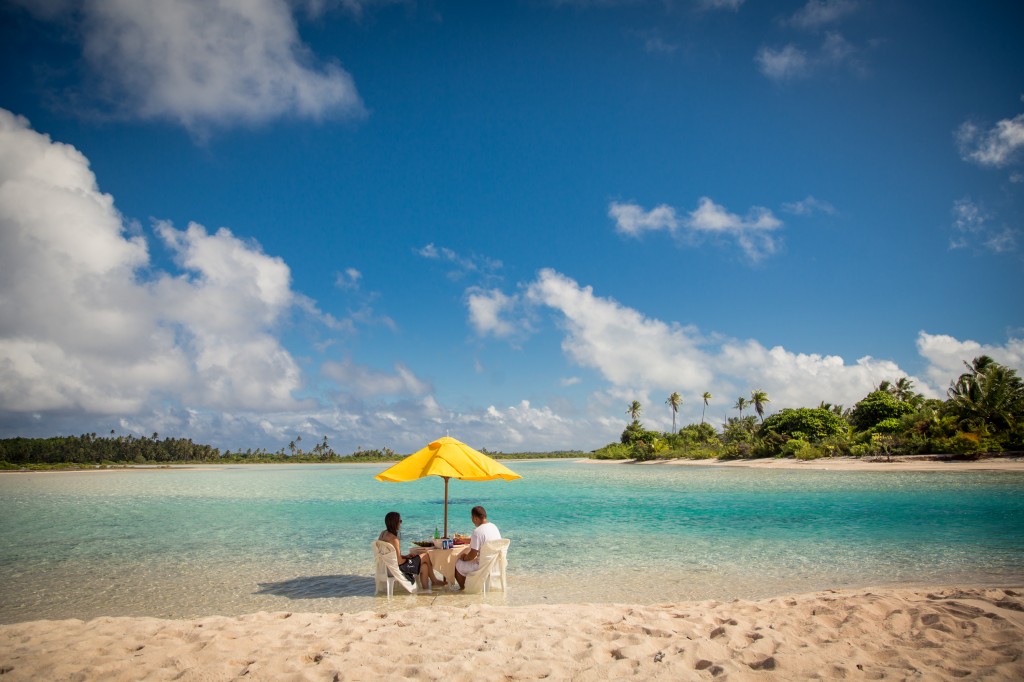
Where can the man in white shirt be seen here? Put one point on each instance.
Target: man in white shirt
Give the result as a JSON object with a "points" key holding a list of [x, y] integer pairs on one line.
{"points": [[469, 560]]}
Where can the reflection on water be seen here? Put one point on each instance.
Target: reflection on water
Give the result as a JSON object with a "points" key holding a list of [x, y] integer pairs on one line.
{"points": [[231, 540]]}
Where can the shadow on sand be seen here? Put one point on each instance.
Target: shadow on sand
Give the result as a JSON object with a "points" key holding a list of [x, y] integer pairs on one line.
{"points": [[321, 587]]}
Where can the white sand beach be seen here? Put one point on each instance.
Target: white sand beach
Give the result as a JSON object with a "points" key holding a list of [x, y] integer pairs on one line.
{"points": [[894, 634], [898, 463]]}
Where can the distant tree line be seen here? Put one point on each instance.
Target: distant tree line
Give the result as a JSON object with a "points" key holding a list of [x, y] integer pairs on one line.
{"points": [[91, 450], [983, 413]]}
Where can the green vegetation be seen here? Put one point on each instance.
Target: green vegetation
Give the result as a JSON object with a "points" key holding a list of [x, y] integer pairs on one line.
{"points": [[983, 413], [877, 407], [97, 450], [805, 423]]}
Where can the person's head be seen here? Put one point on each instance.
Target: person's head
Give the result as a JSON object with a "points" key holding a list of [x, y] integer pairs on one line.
{"points": [[393, 521], [479, 515]]}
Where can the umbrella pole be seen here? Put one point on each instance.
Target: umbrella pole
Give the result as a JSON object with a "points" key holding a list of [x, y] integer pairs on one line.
{"points": [[445, 506]]}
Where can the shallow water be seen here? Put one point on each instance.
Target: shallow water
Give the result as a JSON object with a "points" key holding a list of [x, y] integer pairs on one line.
{"points": [[239, 539]]}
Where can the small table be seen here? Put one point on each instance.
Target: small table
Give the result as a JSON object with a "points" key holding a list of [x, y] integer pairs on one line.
{"points": [[443, 560]]}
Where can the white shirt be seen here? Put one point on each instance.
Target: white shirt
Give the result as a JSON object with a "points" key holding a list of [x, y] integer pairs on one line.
{"points": [[482, 534]]}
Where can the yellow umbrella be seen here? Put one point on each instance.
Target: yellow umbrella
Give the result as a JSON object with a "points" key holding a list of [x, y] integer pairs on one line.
{"points": [[447, 458]]}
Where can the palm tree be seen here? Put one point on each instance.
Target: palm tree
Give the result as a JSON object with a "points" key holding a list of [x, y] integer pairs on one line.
{"points": [[758, 398], [707, 398], [674, 401], [741, 404], [988, 394], [634, 410], [834, 409], [904, 390]]}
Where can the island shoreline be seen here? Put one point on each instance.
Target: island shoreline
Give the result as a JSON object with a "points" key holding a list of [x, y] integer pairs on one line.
{"points": [[1010, 462]]}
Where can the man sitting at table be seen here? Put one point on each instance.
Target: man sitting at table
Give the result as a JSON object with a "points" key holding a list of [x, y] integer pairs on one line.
{"points": [[469, 560]]}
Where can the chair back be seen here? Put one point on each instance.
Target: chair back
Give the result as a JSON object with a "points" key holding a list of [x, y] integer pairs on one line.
{"points": [[491, 571], [386, 565]]}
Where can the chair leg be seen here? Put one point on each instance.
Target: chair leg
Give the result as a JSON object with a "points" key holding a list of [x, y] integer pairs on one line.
{"points": [[391, 586]]}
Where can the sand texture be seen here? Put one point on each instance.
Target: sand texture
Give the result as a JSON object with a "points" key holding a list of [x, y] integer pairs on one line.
{"points": [[891, 634]]}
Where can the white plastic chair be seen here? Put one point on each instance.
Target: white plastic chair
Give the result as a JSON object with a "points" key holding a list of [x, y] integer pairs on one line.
{"points": [[387, 571], [491, 572]]}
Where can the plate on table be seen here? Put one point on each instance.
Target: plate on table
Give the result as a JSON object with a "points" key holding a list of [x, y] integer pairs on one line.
{"points": [[424, 543]]}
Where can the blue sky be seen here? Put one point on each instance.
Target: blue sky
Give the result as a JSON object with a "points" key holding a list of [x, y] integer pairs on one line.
{"points": [[386, 221]]}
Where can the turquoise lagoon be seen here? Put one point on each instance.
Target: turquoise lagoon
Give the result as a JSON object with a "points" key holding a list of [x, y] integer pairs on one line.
{"points": [[238, 539]]}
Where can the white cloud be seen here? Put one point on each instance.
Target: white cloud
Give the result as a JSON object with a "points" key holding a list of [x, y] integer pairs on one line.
{"points": [[818, 13], [626, 347], [365, 382], [247, 288], [645, 357], [1003, 240], [793, 62], [486, 310], [730, 5], [968, 219], [751, 232], [521, 424], [633, 220], [972, 227], [658, 45], [73, 322], [207, 64], [787, 63], [348, 279], [713, 217], [80, 331], [356, 8], [997, 147], [225, 308], [463, 265], [837, 52], [946, 356], [809, 206], [799, 379]]}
